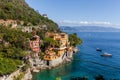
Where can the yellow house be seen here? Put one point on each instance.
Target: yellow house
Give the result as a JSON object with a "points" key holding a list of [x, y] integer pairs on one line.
{"points": [[61, 37], [50, 55], [63, 40]]}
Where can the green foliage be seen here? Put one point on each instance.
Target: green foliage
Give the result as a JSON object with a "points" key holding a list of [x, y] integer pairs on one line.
{"points": [[8, 65], [51, 42], [21, 11], [74, 39], [15, 53], [41, 33], [1, 36], [12, 49], [16, 38], [14, 42], [42, 54]]}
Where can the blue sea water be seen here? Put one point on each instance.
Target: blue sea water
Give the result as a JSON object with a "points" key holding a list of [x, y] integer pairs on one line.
{"points": [[88, 62]]}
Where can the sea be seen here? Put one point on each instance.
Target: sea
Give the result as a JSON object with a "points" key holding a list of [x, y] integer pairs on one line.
{"points": [[88, 62]]}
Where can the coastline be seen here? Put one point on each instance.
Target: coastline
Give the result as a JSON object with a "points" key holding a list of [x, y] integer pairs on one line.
{"points": [[34, 63], [65, 61], [76, 69]]}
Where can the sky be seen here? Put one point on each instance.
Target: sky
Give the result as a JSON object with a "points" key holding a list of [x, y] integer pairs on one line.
{"points": [[80, 12]]}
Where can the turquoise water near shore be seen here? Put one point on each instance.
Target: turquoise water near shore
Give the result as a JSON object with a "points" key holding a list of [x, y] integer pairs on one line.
{"points": [[88, 62]]}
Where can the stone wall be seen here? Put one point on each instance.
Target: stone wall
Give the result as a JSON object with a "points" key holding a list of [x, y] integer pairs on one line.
{"points": [[69, 54], [56, 61], [59, 60]]}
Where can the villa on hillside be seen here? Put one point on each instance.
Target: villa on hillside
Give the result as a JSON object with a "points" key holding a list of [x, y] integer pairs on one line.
{"points": [[11, 23], [35, 44], [56, 55], [45, 15], [61, 37], [29, 29]]}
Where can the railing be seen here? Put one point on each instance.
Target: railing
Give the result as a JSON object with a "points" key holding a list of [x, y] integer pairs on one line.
{"points": [[61, 48]]}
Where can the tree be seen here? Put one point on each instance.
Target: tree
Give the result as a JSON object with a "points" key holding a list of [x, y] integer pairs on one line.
{"points": [[12, 55], [74, 39], [8, 65], [50, 42]]}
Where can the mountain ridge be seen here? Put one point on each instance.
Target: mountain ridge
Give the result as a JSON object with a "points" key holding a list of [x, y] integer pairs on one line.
{"points": [[89, 29]]}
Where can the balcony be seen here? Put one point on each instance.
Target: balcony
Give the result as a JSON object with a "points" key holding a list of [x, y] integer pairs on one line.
{"points": [[50, 58], [61, 48]]}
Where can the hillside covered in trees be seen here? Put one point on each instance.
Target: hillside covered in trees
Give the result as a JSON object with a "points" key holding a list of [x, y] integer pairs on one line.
{"points": [[20, 10], [13, 44]]}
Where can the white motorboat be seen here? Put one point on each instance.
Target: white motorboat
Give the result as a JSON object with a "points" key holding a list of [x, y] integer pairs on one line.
{"points": [[106, 54]]}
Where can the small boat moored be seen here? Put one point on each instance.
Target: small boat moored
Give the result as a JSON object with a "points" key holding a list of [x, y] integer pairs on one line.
{"points": [[106, 55], [98, 49]]}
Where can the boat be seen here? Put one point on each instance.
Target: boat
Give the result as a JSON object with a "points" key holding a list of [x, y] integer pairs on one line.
{"points": [[106, 54], [98, 49]]}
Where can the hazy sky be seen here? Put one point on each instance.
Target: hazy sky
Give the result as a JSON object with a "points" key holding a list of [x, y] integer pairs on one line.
{"points": [[80, 12]]}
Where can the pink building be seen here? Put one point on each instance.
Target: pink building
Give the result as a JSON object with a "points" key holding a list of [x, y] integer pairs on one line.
{"points": [[35, 43]]}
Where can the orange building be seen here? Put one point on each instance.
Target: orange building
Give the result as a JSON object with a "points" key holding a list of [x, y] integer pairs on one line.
{"points": [[62, 38], [50, 55]]}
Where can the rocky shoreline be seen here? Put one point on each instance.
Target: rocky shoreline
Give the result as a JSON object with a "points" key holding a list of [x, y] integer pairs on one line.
{"points": [[66, 60], [37, 66]]}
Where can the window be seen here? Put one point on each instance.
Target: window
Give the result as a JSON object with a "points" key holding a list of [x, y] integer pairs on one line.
{"points": [[51, 37], [62, 36], [35, 44]]}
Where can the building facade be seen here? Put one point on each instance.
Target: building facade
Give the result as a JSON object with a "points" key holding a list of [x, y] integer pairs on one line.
{"points": [[35, 43], [57, 55], [11, 23]]}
